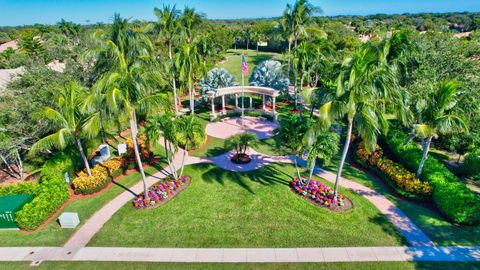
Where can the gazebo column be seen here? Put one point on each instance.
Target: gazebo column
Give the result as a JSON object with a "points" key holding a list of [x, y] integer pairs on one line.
{"points": [[212, 116], [236, 101], [263, 102], [251, 103], [274, 109], [223, 105]]}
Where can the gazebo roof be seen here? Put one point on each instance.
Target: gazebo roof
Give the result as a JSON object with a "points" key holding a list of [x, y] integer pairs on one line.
{"points": [[247, 89]]}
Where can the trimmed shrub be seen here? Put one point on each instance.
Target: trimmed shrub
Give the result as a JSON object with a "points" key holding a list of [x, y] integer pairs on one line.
{"points": [[454, 199], [49, 196], [102, 174], [18, 188], [399, 178], [471, 165]]}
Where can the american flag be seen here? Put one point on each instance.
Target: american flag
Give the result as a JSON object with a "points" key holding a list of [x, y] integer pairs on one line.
{"points": [[244, 65]]}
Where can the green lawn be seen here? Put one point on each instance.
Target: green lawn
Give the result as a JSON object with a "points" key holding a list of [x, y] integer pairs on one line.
{"points": [[213, 147], [255, 209], [244, 266], [430, 222], [267, 147], [234, 61], [53, 235]]}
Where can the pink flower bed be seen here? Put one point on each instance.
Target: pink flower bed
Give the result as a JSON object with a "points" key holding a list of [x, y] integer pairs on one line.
{"points": [[318, 192]]}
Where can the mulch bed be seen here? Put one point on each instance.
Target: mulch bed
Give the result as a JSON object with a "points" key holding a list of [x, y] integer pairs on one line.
{"points": [[180, 189]]}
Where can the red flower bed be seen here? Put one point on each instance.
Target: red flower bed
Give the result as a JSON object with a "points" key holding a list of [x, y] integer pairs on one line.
{"points": [[240, 159], [320, 194]]}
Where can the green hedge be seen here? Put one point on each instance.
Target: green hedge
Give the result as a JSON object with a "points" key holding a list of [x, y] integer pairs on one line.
{"points": [[50, 195], [19, 188], [452, 197], [471, 164]]}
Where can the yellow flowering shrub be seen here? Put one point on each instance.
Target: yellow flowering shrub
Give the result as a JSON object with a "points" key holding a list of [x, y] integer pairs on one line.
{"points": [[102, 174], [393, 172]]}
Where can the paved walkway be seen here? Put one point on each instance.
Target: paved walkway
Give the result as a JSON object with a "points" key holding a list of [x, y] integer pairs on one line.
{"points": [[238, 255], [233, 126]]}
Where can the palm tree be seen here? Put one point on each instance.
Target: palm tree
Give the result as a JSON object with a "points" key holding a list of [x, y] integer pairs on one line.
{"points": [[168, 26], [365, 83], [130, 84], [241, 142], [165, 126], [438, 115], [287, 22], [68, 122], [189, 127], [304, 65], [290, 135], [189, 62], [323, 145], [190, 20], [302, 12]]}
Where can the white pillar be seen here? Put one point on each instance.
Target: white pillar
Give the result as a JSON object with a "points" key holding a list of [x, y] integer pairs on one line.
{"points": [[213, 106], [223, 105], [236, 101], [263, 102], [251, 104], [274, 109]]}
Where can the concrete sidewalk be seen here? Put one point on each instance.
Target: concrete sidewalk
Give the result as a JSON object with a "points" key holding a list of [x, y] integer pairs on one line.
{"points": [[237, 255]]}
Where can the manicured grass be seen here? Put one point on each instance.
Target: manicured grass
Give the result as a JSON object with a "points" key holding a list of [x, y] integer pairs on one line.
{"points": [[430, 222], [267, 147], [53, 235], [234, 62], [244, 266], [255, 209], [214, 147]]}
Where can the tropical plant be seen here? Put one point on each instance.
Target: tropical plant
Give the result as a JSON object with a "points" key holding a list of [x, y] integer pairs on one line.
{"points": [[270, 74], [302, 13], [68, 122], [289, 137], [132, 81], [189, 127], [190, 21], [320, 144], [437, 114], [241, 142], [365, 83], [189, 64], [165, 126], [217, 78], [167, 27]]}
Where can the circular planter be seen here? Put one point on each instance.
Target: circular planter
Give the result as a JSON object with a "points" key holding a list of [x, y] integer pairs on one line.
{"points": [[240, 159]]}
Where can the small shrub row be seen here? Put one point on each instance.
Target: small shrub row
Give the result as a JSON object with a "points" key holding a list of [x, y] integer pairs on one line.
{"points": [[471, 164], [453, 198], [18, 188], [400, 179]]}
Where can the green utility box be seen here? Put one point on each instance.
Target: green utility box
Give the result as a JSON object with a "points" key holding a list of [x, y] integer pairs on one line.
{"points": [[9, 206]]}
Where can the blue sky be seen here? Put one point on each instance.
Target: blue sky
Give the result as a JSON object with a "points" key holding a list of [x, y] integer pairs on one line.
{"points": [[19, 12]]}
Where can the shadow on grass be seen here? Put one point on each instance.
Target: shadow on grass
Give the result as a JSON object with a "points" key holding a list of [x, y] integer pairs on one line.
{"points": [[219, 175], [387, 227]]}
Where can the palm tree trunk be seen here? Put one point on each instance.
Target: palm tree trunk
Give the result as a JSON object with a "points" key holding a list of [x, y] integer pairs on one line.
{"points": [[314, 163], [299, 177], [411, 136], [426, 148], [183, 160], [173, 77], [248, 43], [289, 52], [257, 48], [84, 157], [190, 93], [344, 156], [133, 128], [8, 166], [301, 98], [20, 165]]}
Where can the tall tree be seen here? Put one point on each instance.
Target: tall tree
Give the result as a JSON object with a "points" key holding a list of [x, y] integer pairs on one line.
{"points": [[319, 144], [132, 81], [168, 27], [438, 114], [68, 122], [190, 127], [189, 63], [365, 83], [190, 20]]}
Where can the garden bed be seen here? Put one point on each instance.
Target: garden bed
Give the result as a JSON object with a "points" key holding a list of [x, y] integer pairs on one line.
{"points": [[321, 195], [240, 159], [161, 193]]}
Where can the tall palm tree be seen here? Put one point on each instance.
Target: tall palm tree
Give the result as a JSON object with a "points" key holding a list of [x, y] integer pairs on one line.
{"points": [[68, 122], [304, 66], [165, 126], [168, 27], [302, 13], [438, 114], [189, 62], [132, 81], [287, 24], [365, 83], [190, 21]]}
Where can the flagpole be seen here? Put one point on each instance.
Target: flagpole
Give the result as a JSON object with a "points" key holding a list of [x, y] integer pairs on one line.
{"points": [[243, 96]]}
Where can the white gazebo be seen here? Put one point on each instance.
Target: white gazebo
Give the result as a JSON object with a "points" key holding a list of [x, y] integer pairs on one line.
{"points": [[237, 91]]}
